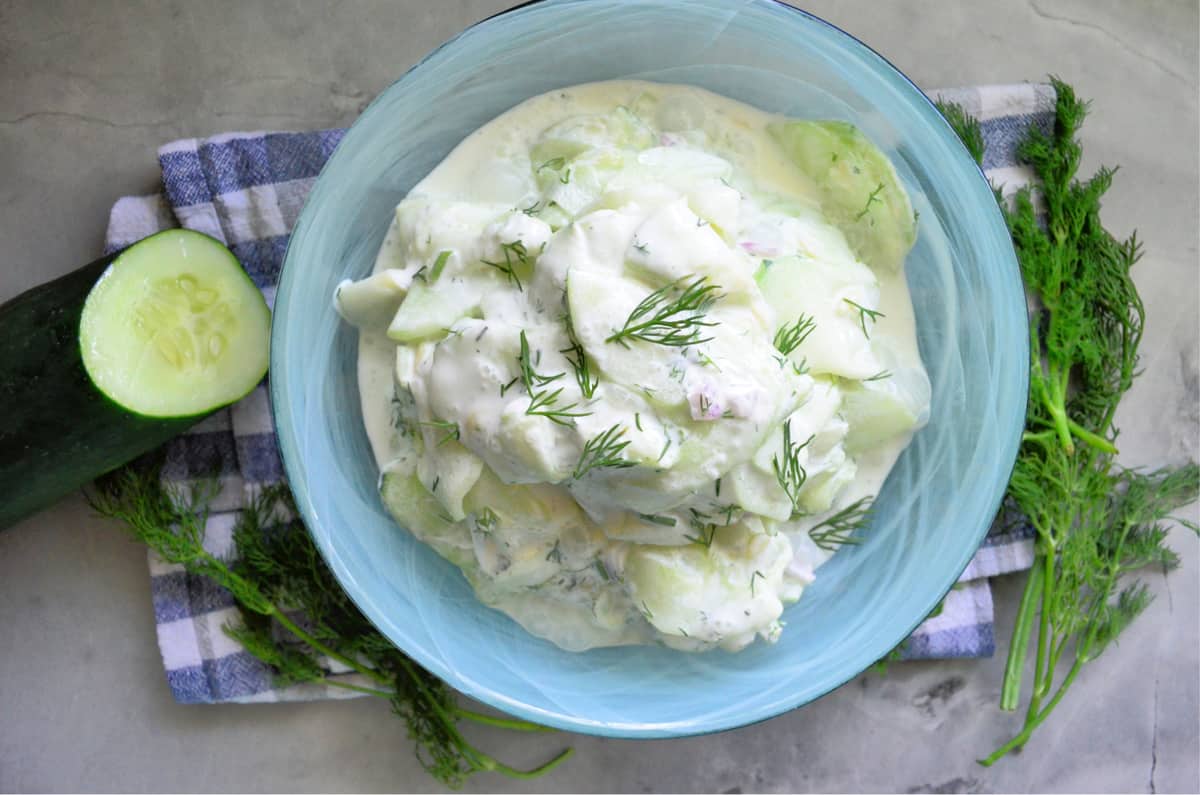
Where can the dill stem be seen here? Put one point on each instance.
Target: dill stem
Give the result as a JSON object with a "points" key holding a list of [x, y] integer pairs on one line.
{"points": [[1096, 441], [1041, 677], [537, 771], [1033, 720], [516, 724], [370, 691], [295, 629], [1055, 405], [479, 759], [1014, 668], [1040, 436]]}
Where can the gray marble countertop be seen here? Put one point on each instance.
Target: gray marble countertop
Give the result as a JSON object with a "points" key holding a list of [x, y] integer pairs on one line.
{"points": [[87, 92]]}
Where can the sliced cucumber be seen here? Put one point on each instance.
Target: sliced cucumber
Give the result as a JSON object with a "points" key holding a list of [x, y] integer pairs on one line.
{"points": [[64, 423], [413, 507], [839, 297], [860, 190], [175, 327], [723, 594]]}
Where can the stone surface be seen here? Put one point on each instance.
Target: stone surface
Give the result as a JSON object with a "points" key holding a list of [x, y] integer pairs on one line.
{"points": [[89, 89]]}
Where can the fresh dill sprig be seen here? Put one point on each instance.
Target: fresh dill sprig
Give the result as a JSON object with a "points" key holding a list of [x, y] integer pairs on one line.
{"points": [[671, 315], [705, 528], [882, 374], [659, 519], [967, 127], [279, 579], [705, 535], [530, 377], [450, 430], [603, 451], [542, 400], [554, 164], [789, 471], [841, 528], [486, 521], [755, 576], [545, 404], [1095, 522], [791, 336], [514, 255], [874, 197], [864, 314], [576, 355]]}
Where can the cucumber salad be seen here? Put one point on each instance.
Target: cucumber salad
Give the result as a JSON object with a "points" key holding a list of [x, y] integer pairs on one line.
{"points": [[636, 358]]}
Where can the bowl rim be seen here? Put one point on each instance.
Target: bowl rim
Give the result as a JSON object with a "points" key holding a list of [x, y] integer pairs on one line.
{"points": [[289, 455]]}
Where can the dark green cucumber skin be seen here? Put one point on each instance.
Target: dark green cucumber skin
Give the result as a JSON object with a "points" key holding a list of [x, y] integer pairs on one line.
{"points": [[57, 431]]}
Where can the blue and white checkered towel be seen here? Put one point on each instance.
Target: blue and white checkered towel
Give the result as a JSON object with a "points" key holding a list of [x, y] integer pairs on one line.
{"points": [[246, 189]]}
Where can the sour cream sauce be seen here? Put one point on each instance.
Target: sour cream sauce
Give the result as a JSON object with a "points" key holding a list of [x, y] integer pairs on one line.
{"points": [[645, 499]]}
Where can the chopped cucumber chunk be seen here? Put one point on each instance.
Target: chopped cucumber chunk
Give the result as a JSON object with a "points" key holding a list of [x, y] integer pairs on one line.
{"points": [[880, 409], [371, 303]]}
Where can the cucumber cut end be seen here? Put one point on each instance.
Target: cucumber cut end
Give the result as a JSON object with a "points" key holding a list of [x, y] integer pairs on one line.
{"points": [[175, 328]]}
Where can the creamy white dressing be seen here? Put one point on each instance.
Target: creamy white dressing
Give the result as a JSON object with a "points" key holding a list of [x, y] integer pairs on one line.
{"points": [[585, 200]]}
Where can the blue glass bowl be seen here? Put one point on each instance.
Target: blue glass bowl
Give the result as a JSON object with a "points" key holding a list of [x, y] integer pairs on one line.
{"points": [[933, 510]]}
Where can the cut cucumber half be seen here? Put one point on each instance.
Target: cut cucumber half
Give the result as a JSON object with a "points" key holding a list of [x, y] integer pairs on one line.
{"points": [[112, 360], [175, 327]]}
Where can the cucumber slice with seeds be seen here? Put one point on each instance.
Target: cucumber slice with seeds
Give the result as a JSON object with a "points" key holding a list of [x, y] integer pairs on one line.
{"points": [[112, 360], [175, 327]]}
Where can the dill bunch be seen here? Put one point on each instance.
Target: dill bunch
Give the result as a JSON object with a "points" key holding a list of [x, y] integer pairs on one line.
{"points": [[296, 618], [1096, 522]]}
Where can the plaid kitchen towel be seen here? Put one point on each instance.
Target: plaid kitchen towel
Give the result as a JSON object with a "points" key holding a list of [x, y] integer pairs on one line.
{"points": [[247, 189]]}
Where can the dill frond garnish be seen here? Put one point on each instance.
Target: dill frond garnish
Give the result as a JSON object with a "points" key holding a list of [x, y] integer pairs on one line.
{"points": [[791, 336], [864, 314], [671, 315], [450, 430], [514, 255], [788, 470], [576, 355], [874, 197], [542, 400], [840, 528], [603, 451]]}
